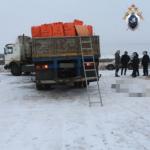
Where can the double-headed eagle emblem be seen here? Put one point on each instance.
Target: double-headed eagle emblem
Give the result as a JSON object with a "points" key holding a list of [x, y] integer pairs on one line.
{"points": [[133, 16]]}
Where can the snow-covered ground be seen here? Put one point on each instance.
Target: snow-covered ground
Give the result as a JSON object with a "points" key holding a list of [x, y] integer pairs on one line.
{"points": [[61, 119], [2, 68]]}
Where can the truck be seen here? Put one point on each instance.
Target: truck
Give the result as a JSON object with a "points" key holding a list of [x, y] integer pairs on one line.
{"points": [[1, 59], [55, 60], [60, 60], [18, 56]]}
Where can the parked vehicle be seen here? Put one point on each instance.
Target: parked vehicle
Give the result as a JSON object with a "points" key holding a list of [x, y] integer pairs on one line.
{"points": [[111, 65], [18, 56], [59, 60], [1, 59]]}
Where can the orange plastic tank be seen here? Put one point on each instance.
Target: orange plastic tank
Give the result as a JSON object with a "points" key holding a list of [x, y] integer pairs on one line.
{"points": [[58, 30], [45, 30], [36, 31], [50, 30], [69, 29]]}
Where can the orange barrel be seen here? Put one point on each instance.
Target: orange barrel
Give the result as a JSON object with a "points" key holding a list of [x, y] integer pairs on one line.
{"points": [[58, 30], [50, 30], [69, 29], [45, 30], [36, 31]]}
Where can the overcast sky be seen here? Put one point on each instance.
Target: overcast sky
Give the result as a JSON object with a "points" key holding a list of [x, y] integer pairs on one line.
{"points": [[17, 17]]}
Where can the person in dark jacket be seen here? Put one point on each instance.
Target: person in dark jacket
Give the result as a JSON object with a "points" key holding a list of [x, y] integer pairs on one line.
{"points": [[117, 63], [137, 71], [135, 64], [145, 62], [124, 62]]}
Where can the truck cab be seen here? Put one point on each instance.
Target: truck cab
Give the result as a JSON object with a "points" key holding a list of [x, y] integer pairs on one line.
{"points": [[18, 56], [11, 55]]}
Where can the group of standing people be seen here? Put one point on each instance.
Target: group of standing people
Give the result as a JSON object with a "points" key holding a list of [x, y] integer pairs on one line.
{"points": [[123, 61]]}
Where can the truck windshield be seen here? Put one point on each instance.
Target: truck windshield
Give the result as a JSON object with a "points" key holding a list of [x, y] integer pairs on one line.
{"points": [[8, 50]]}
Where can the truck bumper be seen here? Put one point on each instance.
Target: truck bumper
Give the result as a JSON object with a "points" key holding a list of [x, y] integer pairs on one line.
{"points": [[72, 80]]}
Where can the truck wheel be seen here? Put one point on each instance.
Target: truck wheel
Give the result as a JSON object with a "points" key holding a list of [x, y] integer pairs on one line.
{"points": [[39, 86], [27, 73], [84, 84], [47, 86], [78, 84], [15, 70]]}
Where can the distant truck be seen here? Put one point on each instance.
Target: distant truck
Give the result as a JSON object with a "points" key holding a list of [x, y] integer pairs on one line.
{"points": [[1, 59], [18, 56], [56, 60]]}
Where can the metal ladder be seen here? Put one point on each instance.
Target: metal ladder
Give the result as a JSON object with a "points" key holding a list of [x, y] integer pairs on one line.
{"points": [[90, 48]]}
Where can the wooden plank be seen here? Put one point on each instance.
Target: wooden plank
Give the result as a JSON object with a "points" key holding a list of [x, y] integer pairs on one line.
{"points": [[82, 30]]}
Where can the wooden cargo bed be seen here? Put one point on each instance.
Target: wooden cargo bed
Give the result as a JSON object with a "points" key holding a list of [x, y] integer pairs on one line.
{"points": [[63, 46]]}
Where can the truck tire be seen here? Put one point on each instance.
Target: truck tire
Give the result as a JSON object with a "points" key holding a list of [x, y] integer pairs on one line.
{"points": [[81, 84], [84, 84], [16, 69], [27, 73], [39, 86], [47, 86], [76, 84]]}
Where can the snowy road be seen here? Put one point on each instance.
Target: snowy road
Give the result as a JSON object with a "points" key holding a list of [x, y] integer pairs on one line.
{"points": [[61, 119]]}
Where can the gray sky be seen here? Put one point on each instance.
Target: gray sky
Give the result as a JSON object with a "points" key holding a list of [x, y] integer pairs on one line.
{"points": [[17, 17]]}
